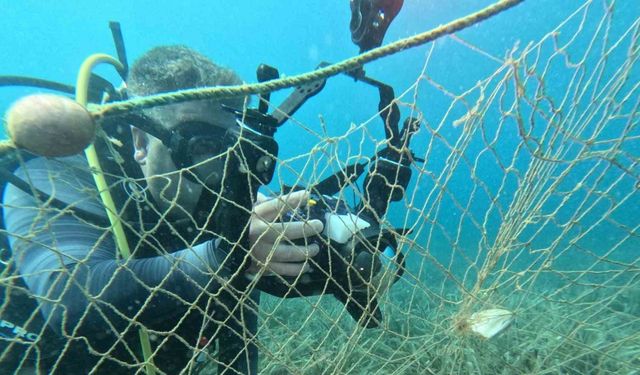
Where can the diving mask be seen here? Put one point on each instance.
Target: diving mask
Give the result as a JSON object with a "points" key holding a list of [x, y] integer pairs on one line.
{"points": [[193, 142]]}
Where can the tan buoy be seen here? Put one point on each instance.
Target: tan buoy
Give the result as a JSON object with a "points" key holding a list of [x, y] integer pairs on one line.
{"points": [[50, 125]]}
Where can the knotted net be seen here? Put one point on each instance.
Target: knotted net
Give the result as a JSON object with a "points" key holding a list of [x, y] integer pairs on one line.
{"points": [[527, 202]]}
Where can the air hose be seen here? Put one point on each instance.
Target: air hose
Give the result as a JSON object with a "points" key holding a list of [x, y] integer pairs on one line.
{"points": [[82, 95]]}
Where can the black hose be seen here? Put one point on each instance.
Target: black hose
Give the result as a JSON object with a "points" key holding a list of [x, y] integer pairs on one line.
{"points": [[118, 40], [36, 82]]}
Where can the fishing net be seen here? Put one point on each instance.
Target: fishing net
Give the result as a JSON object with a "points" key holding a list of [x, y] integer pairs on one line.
{"points": [[525, 206]]}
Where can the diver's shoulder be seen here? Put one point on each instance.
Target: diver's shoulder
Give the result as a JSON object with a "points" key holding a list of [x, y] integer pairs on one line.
{"points": [[76, 162], [55, 169], [67, 179]]}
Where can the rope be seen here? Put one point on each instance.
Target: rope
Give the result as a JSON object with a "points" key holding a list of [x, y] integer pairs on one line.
{"points": [[118, 108]]}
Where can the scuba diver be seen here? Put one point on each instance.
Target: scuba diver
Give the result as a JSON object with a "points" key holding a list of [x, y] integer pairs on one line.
{"points": [[194, 277], [93, 301]]}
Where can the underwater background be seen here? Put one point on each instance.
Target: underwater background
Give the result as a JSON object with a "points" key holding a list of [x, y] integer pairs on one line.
{"points": [[50, 40]]}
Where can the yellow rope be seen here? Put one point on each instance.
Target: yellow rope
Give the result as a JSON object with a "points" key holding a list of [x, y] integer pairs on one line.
{"points": [[118, 108], [82, 94]]}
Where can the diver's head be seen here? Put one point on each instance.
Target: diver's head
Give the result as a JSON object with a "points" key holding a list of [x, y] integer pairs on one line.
{"points": [[170, 68]]}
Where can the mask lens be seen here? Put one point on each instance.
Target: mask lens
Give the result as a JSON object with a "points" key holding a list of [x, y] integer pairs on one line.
{"points": [[201, 148], [194, 141]]}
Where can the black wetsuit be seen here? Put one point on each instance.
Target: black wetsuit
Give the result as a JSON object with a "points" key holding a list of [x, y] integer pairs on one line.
{"points": [[96, 302]]}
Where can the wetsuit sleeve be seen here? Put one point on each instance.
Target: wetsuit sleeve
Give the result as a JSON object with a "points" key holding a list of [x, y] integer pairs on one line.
{"points": [[71, 264]]}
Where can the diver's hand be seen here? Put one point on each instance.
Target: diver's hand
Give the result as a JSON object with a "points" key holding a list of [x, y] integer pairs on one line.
{"points": [[271, 247]]}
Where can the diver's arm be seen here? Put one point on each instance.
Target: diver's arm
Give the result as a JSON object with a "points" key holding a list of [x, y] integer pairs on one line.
{"points": [[70, 264]]}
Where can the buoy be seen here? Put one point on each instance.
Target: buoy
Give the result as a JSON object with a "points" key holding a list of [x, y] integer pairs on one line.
{"points": [[50, 125]]}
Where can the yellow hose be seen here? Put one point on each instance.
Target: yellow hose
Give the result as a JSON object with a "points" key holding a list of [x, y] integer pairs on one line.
{"points": [[82, 95]]}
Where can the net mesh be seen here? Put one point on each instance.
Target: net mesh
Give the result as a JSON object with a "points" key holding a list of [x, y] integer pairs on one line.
{"points": [[527, 202]]}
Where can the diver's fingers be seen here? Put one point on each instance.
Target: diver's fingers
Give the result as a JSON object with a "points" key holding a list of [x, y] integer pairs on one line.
{"points": [[271, 209], [302, 229], [288, 269], [292, 231], [294, 253]]}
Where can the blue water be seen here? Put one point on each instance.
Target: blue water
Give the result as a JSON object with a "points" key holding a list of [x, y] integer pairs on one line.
{"points": [[51, 39]]}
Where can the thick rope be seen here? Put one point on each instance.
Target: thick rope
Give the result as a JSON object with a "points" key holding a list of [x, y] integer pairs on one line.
{"points": [[118, 108]]}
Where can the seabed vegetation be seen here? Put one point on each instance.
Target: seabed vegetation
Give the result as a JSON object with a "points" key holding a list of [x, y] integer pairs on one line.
{"points": [[587, 333]]}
